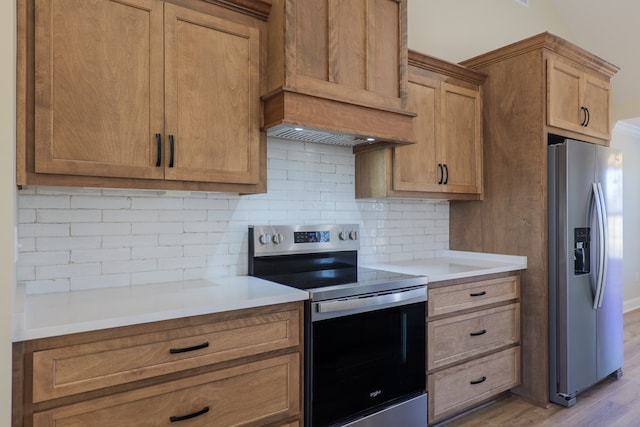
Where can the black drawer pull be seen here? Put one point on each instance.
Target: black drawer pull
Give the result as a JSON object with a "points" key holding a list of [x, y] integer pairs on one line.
{"points": [[478, 294], [176, 418], [481, 380], [477, 334], [186, 349]]}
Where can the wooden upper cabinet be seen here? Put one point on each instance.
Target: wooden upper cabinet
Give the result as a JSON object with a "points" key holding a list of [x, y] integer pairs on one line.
{"points": [[446, 160], [461, 139], [212, 95], [578, 101], [143, 93], [98, 87]]}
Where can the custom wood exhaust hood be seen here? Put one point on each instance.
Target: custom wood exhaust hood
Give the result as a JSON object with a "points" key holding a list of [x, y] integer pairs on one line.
{"points": [[337, 72]]}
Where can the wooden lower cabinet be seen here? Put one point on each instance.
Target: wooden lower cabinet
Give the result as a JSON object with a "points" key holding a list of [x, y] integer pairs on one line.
{"points": [[473, 342], [238, 368], [243, 395], [457, 388]]}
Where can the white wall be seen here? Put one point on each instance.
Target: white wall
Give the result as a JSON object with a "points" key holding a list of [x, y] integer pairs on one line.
{"points": [[461, 29], [74, 238], [627, 139], [7, 191]]}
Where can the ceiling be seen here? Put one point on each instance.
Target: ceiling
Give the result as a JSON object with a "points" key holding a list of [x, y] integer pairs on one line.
{"points": [[610, 29]]}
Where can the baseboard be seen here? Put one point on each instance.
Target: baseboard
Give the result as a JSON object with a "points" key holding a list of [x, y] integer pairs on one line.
{"points": [[631, 304]]}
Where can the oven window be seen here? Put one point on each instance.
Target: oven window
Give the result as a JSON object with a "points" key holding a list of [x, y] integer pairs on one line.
{"points": [[365, 361]]}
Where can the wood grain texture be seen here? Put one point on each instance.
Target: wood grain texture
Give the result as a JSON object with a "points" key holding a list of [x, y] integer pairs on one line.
{"points": [[98, 75], [453, 389], [611, 403], [212, 98], [472, 294], [257, 392], [512, 219], [84, 367], [453, 339], [448, 134], [128, 360], [112, 163], [351, 54]]}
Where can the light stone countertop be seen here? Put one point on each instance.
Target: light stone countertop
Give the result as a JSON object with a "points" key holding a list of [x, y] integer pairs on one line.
{"points": [[456, 265], [53, 314]]}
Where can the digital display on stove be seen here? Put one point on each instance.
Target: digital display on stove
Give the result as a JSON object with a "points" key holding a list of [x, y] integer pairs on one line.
{"points": [[311, 236]]}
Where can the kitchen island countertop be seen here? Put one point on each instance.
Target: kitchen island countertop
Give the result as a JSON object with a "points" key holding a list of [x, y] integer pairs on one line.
{"points": [[53, 314], [451, 265]]}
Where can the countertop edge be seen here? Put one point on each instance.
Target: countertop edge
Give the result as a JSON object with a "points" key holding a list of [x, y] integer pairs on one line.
{"points": [[269, 293]]}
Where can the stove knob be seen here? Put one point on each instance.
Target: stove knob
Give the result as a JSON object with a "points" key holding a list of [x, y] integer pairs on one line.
{"points": [[343, 235], [353, 235], [277, 238], [264, 238]]}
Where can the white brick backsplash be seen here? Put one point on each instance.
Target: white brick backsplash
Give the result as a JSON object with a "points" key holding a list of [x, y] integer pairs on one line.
{"points": [[98, 255], [99, 202], [82, 238], [67, 216], [100, 229], [111, 267]]}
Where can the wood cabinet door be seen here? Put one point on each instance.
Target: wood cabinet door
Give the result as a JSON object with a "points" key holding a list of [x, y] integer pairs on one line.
{"points": [[415, 167], [564, 96], [578, 101], [212, 99], [461, 139], [597, 98], [98, 87]]}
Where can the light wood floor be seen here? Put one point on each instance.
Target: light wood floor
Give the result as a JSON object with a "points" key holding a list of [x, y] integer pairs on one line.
{"points": [[608, 404]]}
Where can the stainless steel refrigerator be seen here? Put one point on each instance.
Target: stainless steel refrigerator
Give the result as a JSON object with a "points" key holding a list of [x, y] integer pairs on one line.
{"points": [[585, 267]]}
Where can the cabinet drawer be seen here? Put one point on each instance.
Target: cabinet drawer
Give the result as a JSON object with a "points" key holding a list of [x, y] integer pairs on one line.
{"points": [[79, 368], [457, 338], [448, 299], [263, 391], [454, 389]]}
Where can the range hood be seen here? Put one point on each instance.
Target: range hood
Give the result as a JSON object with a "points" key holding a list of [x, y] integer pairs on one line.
{"points": [[337, 73], [302, 117]]}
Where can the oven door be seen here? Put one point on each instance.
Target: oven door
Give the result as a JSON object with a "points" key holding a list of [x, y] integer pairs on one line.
{"points": [[362, 363]]}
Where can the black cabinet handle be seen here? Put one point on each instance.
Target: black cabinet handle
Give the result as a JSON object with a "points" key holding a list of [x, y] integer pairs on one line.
{"points": [[481, 380], [171, 151], [584, 120], [478, 294], [441, 171], [159, 144], [477, 334], [446, 170], [187, 349], [176, 418], [588, 116]]}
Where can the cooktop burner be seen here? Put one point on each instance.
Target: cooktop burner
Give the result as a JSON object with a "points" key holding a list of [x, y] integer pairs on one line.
{"points": [[321, 259]]}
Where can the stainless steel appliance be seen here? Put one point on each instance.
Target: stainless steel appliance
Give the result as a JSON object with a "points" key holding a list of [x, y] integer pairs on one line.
{"points": [[364, 328], [585, 267]]}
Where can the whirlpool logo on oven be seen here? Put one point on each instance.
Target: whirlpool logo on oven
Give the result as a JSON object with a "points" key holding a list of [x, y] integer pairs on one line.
{"points": [[375, 394]]}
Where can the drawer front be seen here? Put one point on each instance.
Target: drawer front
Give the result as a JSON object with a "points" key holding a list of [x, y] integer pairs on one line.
{"points": [[454, 339], [79, 368], [256, 393], [454, 389], [449, 299]]}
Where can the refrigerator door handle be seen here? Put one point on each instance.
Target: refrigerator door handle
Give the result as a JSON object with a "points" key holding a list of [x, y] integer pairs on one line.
{"points": [[604, 243], [601, 218]]}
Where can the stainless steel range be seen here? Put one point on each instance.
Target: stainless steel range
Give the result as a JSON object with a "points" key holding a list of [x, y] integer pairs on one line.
{"points": [[364, 331]]}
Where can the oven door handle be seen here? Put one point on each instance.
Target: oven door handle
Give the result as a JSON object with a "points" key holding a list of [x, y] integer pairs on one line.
{"points": [[373, 301]]}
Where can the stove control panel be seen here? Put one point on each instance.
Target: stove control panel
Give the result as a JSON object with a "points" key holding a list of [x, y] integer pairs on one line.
{"points": [[287, 239]]}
